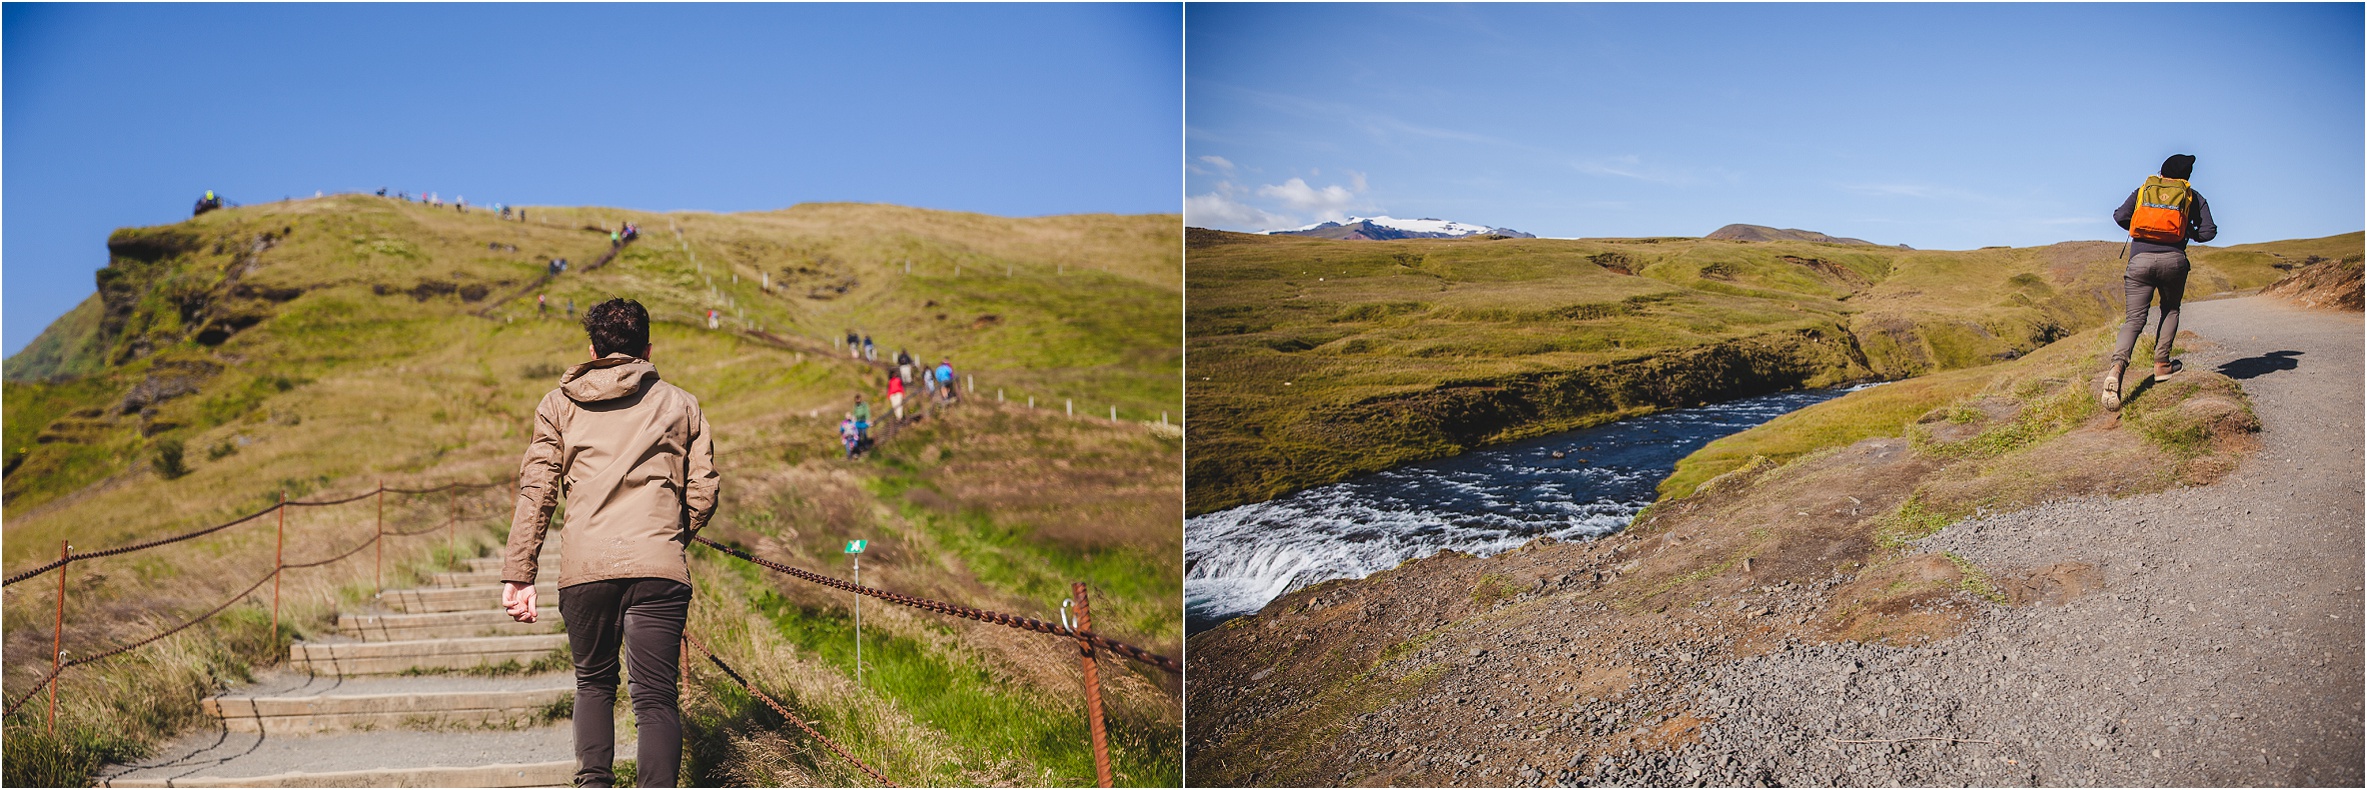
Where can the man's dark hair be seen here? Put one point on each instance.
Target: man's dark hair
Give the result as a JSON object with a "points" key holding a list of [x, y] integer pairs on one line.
{"points": [[2178, 166], [618, 325]]}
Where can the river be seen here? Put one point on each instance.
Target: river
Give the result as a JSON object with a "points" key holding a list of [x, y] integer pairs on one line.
{"points": [[1481, 502]]}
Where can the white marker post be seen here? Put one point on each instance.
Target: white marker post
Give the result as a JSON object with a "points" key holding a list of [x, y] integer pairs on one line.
{"points": [[855, 552]]}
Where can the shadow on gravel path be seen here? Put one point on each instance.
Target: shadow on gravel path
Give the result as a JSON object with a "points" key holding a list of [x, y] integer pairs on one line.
{"points": [[2255, 367]]}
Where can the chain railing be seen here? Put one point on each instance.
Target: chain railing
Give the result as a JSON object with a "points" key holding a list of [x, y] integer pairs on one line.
{"points": [[67, 557]]}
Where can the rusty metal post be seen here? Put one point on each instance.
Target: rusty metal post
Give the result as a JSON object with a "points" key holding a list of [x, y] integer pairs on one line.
{"points": [[1101, 743], [57, 637], [279, 563], [381, 537]]}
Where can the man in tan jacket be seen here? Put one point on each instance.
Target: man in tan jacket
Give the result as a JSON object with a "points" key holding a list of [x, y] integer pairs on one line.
{"points": [[633, 457]]}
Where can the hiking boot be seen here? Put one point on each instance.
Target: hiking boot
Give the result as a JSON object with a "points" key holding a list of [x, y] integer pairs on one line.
{"points": [[2111, 394], [2162, 371]]}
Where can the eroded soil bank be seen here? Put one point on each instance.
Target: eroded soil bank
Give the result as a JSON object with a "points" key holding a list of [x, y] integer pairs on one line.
{"points": [[2018, 589]]}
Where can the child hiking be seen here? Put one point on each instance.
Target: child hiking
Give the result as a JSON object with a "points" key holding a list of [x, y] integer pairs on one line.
{"points": [[638, 467], [2161, 217]]}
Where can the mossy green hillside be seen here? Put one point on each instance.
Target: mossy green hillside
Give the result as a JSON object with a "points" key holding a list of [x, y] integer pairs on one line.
{"points": [[324, 345], [1314, 359]]}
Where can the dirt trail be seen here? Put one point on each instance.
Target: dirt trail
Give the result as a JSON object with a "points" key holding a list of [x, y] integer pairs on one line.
{"points": [[2222, 649]]}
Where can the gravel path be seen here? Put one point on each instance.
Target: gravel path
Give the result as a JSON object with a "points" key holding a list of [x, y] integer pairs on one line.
{"points": [[2223, 649]]}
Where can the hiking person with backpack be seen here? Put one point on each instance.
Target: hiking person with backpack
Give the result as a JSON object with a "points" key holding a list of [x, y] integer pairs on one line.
{"points": [[638, 466], [896, 395], [2161, 217]]}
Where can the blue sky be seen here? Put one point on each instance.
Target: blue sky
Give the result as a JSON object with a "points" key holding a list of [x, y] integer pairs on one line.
{"points": [[1937, 126], [122, 115]]}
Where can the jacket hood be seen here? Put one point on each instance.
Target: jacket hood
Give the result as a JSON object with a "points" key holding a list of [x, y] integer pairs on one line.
{"points": [[611, 377]]}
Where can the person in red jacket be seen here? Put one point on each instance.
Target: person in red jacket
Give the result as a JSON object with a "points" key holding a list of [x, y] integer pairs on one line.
{"points": [[896, 395]]}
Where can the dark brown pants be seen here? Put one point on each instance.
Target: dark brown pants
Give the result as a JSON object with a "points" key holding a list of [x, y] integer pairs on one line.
{"points": [[645, 617]]}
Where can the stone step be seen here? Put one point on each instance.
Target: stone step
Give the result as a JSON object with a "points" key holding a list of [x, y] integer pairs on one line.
{"points": [[461, 599], [387, 658], [443, 625], [301, 705], [464, 578], [551, 774], [210, 757], [548, 560]]}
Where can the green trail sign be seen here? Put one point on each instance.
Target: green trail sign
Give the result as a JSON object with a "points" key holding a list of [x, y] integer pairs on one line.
{"points": [[856, 546]]}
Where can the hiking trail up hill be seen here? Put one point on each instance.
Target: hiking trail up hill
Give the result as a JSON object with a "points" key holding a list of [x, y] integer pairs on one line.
{"points": [[389, 701]]}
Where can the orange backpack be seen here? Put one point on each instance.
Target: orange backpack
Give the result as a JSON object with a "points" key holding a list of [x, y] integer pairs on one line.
{"points": [[2162, 204]]}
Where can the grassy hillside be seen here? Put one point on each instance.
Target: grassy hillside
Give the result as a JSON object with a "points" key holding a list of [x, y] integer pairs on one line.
{"points": [[1314, 360], [325, 344], [1810, 539]]}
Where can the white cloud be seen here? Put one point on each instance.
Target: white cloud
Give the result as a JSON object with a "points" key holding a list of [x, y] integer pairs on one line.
{"points": [[1223, 166], [1331, 202], [1219, 210], [1632, 167]]}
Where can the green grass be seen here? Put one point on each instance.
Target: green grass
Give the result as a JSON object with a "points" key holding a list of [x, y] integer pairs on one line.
{"points": [[966, 702], [1314, 360], [358, 356]]}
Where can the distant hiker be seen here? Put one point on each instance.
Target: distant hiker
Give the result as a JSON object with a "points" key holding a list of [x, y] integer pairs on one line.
{"points": [[542, 307], [868, 353], [505, 210], [638, 466], [847, 435], [571, 307], [854, 345], [2161, 217], [207, 203], [521, 215], [862, 420], [614, 239], [945, 380], [896, 395], [903, 365], [382, 191], [711, 322]]}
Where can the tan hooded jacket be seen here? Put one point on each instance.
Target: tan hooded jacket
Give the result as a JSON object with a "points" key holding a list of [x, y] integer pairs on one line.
{"points": [[639, 471]]}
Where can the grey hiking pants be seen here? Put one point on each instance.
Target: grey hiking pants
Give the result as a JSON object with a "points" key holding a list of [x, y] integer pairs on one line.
{"points": [[2148, 273], [644, 616]]}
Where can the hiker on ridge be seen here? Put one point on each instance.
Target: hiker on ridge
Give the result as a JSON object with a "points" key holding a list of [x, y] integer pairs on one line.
{"points": [[638, 463], [868, 354], [896, 395], [854, 345], [903, 365], [2161, 216]]}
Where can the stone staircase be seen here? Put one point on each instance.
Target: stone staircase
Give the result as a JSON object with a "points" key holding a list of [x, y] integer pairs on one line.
{"points": [[440, 689]]}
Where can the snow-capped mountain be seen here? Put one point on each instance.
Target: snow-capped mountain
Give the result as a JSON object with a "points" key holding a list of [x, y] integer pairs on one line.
{"points": [[1384, 228]]}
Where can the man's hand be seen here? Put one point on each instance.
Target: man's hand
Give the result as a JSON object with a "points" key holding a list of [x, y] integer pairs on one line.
{"points": [[518, 600]]}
